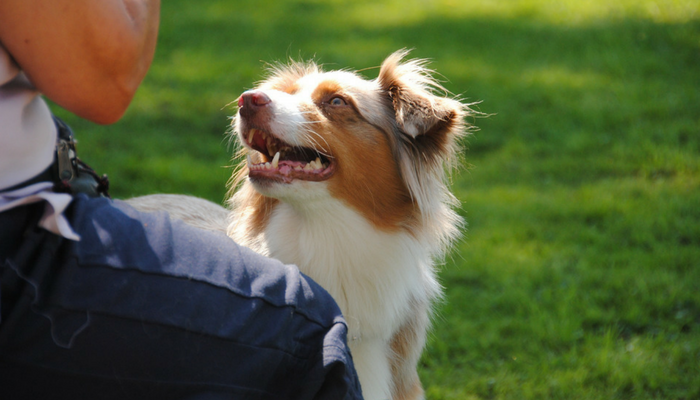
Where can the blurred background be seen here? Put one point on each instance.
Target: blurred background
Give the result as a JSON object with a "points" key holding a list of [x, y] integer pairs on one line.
{"points": [[578, 276]]}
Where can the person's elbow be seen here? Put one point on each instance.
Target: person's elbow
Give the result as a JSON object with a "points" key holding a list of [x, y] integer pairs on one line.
{"points": [[116, 74], [103, 104], [98, 89]]}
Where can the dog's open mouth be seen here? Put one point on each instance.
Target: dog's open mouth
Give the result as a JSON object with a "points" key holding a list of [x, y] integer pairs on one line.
{"points": [[274, 159]]}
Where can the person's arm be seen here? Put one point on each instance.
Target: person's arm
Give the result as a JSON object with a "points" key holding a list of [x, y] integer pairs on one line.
{"points": [[89, 56]]}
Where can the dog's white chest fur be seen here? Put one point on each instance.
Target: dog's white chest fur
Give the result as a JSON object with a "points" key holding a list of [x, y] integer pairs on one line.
{"points": [[374, 276], [377, 278]]}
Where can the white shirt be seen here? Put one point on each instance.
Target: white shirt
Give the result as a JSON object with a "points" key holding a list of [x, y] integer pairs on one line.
{"points": [[27, 130], [27, 144]]}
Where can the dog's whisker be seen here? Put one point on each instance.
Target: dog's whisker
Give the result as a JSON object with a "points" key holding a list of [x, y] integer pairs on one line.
{"points": [[309, 135], [323, 151]]}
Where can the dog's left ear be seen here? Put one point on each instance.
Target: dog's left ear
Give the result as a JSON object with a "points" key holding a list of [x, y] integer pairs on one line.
{"points": [[427, 127], [418, 111]]}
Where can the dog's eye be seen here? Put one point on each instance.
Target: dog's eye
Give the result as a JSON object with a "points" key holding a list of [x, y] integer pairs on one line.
{"points": [[337, 101]]}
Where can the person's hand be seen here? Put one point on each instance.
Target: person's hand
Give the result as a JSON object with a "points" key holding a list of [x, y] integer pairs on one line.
{"points": [[87, 56]]}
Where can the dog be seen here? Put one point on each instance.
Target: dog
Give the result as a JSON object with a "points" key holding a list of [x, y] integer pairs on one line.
{"points": [[347, 178]]}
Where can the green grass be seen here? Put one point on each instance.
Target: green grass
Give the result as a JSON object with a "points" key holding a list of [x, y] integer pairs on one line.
{"points": [[579, 274]]}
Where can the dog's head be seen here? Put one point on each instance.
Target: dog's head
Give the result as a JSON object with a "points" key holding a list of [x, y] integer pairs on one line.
{"points": [[381, 146]]}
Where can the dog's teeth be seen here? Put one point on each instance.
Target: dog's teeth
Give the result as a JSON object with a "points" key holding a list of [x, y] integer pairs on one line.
{"points": [[298, 168], [249, 160], [276, 160], [308, 167], [268, 165], [316, 164], [251, 135]]}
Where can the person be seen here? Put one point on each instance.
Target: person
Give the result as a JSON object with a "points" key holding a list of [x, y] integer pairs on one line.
{"points": [[101, 301]]}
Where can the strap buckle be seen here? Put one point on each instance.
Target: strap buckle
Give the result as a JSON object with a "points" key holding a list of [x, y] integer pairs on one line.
{"points": [[74, 176]]}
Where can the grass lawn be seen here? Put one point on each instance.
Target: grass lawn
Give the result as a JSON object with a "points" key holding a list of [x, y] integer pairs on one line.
{"points": [[579, 274]]}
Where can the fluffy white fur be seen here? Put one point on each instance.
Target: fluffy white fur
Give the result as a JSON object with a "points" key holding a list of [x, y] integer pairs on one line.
{"points": [[375, 277]]}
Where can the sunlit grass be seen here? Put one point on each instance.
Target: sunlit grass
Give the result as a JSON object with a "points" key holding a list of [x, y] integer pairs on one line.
{"points": [[578, 276]]}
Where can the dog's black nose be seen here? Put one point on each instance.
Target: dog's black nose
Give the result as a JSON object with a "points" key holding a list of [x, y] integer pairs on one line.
{"points": [[253, 99]]}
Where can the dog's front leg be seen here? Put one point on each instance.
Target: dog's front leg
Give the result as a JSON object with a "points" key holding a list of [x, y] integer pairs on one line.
{"points": [[371, 357]]}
